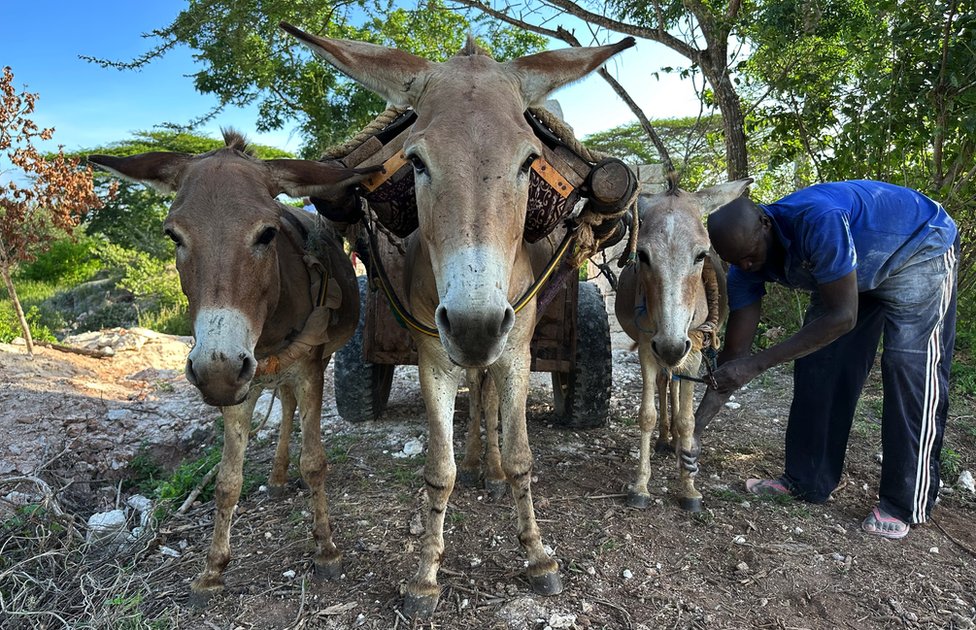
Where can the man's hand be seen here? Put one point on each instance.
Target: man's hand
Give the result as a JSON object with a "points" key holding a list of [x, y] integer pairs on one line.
{"points": [[734, 374]]}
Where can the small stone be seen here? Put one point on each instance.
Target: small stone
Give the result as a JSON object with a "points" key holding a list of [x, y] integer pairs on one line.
{"points": [[288, 574], [562, 620], [586, 607], [627, 574], [966, 481], [933, 550], [837, 528], [732, 405], [879, 457], [268, 535], [739, 540], [797, 530], [413, 447], [839, 557], [416, 525], [169, 551], [590, 571], [475, 562], [742, 567], [106, 525]]}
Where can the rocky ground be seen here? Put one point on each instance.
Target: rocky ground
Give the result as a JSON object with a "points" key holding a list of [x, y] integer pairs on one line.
{"points": [[73, 422]]}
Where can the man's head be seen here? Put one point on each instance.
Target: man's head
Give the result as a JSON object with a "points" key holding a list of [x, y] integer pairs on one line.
{"points": [[742, 234]]}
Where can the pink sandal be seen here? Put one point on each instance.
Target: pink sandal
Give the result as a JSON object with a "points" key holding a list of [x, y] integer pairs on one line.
{"points": [[767, 487], [880, 523]]}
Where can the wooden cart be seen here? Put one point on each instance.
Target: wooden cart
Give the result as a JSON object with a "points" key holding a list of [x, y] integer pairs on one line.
{"points": [[571, 341]]}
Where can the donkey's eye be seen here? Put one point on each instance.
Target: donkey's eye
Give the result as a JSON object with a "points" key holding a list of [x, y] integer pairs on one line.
{"points": [[700, 257], [171, 235], [643, 257], [527, 164], [267, 235], [418, 164]]}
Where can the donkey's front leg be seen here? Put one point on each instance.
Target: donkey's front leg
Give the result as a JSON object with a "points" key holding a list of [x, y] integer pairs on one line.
{"points": [[278, 479], [637, 494], [495, 481], [470, 473], [237, 425], [315, 467], [511, 377], [438, 384], [685, 448]]}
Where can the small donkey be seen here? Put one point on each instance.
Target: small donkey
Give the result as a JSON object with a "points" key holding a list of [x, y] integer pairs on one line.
{"points": [[271, 297], [661, 301]]}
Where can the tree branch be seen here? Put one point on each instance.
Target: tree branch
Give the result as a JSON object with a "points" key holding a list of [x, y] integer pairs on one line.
{"points": [[566, 36]]}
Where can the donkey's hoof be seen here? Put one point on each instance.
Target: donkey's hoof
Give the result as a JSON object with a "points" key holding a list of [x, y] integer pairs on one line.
{"points": [[419, 606], [496, 488], [638, 500], [329, 570], [663, 448], [691, 504], [469, 478], [276, 491], [547, 583]]}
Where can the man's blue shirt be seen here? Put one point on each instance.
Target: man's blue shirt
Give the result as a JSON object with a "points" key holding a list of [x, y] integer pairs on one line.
{"points": [[829, 230]]}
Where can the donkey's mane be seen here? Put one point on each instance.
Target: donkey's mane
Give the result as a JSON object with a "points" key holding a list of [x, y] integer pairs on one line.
{"points": [[471, 47], [234, 139], [672, 179]]}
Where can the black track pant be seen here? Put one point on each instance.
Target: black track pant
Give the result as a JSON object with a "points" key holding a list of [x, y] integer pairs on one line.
{"points": [[915, 312]]}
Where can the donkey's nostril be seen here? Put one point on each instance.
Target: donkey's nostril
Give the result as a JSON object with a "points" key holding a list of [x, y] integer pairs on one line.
{"points": [[687, 346], [441, 319], [248, 367], [654, 347], [190, 374], [508, 320]]}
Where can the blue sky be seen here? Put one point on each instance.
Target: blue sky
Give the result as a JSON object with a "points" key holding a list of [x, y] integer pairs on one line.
{"points": [[89, 105]]}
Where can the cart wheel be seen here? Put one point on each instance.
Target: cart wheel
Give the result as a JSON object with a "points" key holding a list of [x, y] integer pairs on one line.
{"points": [[582, 397], [362, 389]]}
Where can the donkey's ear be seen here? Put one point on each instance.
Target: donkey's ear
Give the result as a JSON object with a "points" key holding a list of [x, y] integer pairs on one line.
{"points": [[159, 169], [304, 178], [541, 73], [714, 197], [395, 75]]}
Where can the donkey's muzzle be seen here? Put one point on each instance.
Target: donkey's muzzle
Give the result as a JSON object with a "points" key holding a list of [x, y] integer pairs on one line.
{"points": [[474, 338], [671, 351], [223, 381]]}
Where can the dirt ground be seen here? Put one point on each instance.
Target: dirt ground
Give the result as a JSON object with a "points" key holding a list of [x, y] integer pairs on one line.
{"points": [[741, 563]]}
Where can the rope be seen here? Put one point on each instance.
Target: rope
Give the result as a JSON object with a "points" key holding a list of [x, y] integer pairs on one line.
{"points": [[379, 123], [706, 334], [565, 134], [589, 245]]}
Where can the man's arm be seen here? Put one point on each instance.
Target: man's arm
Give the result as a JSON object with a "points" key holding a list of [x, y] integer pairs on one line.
{"points": [[739, 333], [840, 314]]}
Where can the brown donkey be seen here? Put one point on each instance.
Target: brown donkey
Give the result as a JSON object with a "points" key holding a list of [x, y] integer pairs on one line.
{"points": [[271, 297], [661, 300], [472, 151]]}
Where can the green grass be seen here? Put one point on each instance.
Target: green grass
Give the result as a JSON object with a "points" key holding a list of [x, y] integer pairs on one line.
{"points": [[951, 464], [727, 494]]}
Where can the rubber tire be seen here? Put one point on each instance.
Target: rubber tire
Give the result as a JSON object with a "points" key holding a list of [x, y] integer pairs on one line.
{"points": [[362, 389], [581, 398]]}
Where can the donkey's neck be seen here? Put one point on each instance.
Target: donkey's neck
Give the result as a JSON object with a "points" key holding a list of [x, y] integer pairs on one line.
{"points": [[295, 296]]}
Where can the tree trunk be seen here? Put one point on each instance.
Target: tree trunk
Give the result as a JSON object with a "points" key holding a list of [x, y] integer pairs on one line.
{"points": [[733, 118], [5, 272]]}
